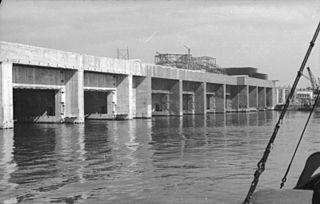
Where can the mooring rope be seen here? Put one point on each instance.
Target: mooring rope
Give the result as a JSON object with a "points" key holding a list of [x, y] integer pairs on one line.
{"points": [[284, 179], [261, 164]]}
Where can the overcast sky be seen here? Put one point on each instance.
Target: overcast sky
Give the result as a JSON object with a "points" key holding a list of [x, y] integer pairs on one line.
{"points": [[271, 35]]}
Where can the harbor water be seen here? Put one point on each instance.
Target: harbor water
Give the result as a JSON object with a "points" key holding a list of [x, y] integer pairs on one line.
{"points": [[189, 159]]}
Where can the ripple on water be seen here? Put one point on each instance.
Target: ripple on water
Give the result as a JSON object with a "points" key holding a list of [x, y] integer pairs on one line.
{"points": [[190, 159]]}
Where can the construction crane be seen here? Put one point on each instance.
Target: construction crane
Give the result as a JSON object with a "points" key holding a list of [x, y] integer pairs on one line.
{"points": [[314, 83]]}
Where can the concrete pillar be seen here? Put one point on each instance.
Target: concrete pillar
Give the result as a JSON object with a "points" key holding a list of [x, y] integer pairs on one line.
{"points": [[261, 97], [111, 99], [234, 96], [200, 99], [269, 97], [277, 94], [284, 98], [253, 97], [204, 97], [176, 98], [220, 98], [74, 97], [58, 108], [257, 96], [6, 95], [243, 96], [143, 97], [124, 95]]}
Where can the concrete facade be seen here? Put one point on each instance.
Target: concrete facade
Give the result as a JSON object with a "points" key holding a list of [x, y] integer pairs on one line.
{"points": [[82, 86], [176, 99], [143, 97], [253, 96], [261, 97], [6, 95], [243, 91]]}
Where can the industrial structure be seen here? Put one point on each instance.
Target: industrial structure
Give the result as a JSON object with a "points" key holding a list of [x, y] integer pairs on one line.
{"points": [[187, 61], [47, 85]]}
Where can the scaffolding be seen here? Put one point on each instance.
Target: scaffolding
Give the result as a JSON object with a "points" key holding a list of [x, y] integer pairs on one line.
{"points": [[186, 61]]}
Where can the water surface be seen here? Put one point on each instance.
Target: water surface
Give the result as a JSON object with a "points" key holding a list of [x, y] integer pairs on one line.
{"points": [[189, 159]]}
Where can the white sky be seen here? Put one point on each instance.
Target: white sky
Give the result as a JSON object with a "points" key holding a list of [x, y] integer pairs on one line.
{"points": [[271, 35]]}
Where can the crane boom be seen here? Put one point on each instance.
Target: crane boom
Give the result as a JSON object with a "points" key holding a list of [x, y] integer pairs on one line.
{"points": [[314, 83]]}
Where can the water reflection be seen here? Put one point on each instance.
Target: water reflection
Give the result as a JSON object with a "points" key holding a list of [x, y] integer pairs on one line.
{"points": [[132, 144], [189, 159], [81, 154], [7, 164]]}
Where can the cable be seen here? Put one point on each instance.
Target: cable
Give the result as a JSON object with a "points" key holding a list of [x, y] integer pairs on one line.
{"points": [[261, 164], [284, 179]]}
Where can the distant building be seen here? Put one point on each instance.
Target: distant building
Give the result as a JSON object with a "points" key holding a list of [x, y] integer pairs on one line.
{"points": [[249, 71], [304, 97]]}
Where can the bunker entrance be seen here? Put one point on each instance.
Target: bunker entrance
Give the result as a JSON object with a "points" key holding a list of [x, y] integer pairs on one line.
{"points": [[36, 105], [211, 102], [188, 103], [160, 103], [98, 105]]}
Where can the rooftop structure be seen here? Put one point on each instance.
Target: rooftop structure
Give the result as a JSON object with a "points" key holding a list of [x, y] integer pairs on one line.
{"points": [[187, 61], [249, 71]]}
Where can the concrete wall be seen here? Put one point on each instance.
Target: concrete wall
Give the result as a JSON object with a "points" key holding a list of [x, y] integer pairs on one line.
{"points": [[124, 96], [31, 55], [253, 96], [175, 98], [217, 97], [261, 97], [162, 84], [74, 97], [269, 97], [197, 97], [221, 98], [200, 99], [232, 100], [93, 79], [243, 94], [142, 86], [23, 74]]}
